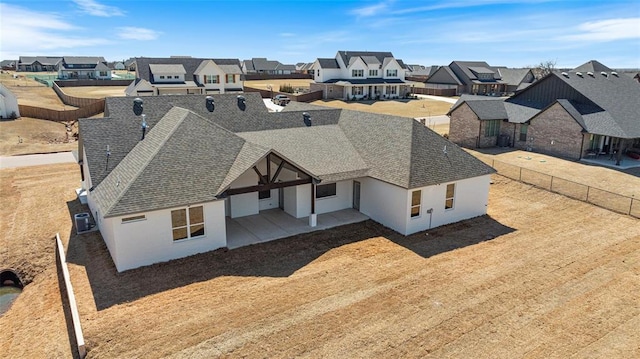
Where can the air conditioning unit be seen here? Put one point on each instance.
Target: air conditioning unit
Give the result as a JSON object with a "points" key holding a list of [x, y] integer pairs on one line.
{"points": [[82, 222]]}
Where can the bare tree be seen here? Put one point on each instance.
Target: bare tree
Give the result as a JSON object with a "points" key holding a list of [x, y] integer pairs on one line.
{"points": [[543, 68]]}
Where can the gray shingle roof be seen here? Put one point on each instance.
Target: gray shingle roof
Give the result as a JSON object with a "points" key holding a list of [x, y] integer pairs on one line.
{"points": [[328, 63], [463, 70], [43, 60], [211, 149], [485, 107], [83, 60], [592, 66], [347, 55], [444, 75], [366, 81], [514, 77], [167, 69], [190, 65]]}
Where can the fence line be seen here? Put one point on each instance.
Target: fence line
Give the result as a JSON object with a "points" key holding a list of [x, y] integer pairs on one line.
{"points": [[602, 198]]}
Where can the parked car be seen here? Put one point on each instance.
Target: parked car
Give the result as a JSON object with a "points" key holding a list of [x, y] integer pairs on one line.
{"points": [[281, 100]]}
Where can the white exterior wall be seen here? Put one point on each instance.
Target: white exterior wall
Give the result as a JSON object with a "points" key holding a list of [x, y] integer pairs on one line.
{"points": [[384, 203], [358, 65], [393, 65], [470, 200], [211, 69], [302, 201], [244, 204], [8, 102], [156, 78], [149, 241], [343, 199]]}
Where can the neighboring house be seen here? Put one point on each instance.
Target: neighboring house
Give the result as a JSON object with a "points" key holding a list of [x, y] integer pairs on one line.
{"points": [[468, 77], [185, 75], [420, 73], [118, 65], [130, 64], [260, 65], [516, 79], [84, 67], [38, 63], [8, 103], [8, 64], [593, 66], [304, 68], [206, 161], [360, 74], [569, 114]]}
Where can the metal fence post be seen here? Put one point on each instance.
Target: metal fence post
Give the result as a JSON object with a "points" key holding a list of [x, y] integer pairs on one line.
{"points": [[631, 205], [551, 185], [588, 188], [520, 176]]}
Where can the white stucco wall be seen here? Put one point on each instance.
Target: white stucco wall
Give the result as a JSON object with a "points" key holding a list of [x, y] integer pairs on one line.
{"points": [[384, 203], [149, 241], [343, 198], [470, 200]]}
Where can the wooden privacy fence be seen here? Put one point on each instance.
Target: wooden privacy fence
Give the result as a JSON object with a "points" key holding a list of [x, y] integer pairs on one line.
{"points": [[433, 92], [305, 97], [60, 116], [72, 100], [94, 82], [602, 198], [256, 77]]}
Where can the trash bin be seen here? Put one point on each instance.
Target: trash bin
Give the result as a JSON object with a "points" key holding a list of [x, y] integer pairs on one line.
{"points": [[503, 140]]}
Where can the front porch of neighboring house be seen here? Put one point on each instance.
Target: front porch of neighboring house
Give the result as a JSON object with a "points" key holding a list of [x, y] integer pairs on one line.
{"points": [[492, 89], [275, 199], [376, 92]]}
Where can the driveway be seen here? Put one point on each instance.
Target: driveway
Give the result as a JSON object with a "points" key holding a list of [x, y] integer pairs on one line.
{"points": [[272, 106], [36, 160]]}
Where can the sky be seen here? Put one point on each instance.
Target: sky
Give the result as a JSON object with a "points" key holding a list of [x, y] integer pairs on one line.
{"points": [[513, 33]]}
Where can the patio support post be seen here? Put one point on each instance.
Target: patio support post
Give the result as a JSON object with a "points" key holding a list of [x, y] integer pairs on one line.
{"points": [[313, 217]]}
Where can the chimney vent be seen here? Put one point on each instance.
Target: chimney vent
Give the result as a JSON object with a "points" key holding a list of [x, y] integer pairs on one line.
{"points": [[209, 103]]}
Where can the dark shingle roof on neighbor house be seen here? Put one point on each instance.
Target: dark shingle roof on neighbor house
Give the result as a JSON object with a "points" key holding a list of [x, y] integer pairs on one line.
{"points": [[592, 66], [214, 148], [190, 65], [43, 60], [486, 108], [602, 103], [328, 63]]}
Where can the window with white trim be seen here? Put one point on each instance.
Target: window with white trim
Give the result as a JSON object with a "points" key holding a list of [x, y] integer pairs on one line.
{"points": [[325, 190], [134, 218], [392, 73], [523, 131], [416, 202], [231, 78], [187, 223], [211, 79], [162, 77], [357, 90], [392, 90], [373, 73], [357, 73], [451, 192]]}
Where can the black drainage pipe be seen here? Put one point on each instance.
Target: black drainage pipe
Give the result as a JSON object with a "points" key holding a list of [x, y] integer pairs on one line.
{"points": [[8, 277]]}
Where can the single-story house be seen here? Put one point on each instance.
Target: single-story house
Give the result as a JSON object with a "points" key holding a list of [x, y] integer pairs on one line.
{"points": [[84, 67], [570, 114], [38, 63], [164, 185]]}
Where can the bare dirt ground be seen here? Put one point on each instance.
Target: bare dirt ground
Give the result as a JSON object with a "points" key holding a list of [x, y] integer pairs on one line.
{"points": [[523, 281], [32, 93], [29, 135], [34, 207], [95, 91], [625, 182], [276, 83]]}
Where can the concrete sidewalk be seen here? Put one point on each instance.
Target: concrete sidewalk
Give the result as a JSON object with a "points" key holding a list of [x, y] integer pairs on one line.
{"points": [[438, 98], [36, 160]]}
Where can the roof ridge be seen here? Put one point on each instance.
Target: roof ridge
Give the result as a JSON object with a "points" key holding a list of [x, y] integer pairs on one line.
{"points": [[152, 155]]}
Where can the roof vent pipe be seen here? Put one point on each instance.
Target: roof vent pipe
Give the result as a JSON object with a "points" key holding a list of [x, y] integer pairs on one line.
{"points": [[144, 126], [306, 118], [241, 102], [137, 106], [209, 103]]}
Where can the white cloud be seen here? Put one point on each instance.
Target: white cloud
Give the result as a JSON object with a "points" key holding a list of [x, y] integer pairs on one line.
{"points": [[137, 33], [606, 30], [370, 10], [24, 32], [94, 8]]}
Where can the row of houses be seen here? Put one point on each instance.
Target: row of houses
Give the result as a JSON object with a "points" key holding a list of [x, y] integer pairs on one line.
{"points": [[67, 67]]}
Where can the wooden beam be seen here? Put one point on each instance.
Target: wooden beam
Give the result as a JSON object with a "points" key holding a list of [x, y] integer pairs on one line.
{"points": [[261, 180], [313, 198], [269, 168], [265, 187], [275, 176]]}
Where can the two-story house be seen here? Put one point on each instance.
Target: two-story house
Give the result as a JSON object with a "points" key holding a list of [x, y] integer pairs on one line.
{"points": [[183, 76], [360, 74], [468, 77], [83, 68]]}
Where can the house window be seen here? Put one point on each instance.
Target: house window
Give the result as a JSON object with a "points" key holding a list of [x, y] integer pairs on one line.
{"points": [[451, 191], [134, 219], [392, 90], [523, 131], [211, 79], [492, 128], [103, 73], [392, 73], [230, 79], [357, 73], [416, 201], [325, 190], [264, 194], [162, 77], [187, 223], [176, 76], [373, 73], [357, 90]]}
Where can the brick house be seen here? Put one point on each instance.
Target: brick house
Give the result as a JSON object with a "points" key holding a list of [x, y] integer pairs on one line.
{"points": [[569, 114]]}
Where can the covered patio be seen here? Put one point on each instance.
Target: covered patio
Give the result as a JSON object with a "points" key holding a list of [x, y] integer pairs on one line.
{"points": [[275, 223]]}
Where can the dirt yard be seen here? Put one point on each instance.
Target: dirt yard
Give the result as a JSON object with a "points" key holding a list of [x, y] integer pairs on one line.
{"points": [[95, 91], [276, 83], [29, 135], [32, 93], [522, 281]]}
